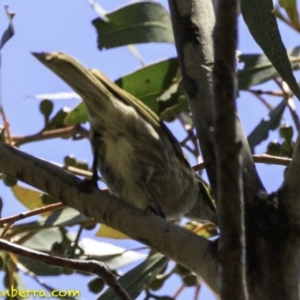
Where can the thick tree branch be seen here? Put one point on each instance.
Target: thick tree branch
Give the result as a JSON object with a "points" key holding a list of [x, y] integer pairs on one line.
{"points": [[289, 207], [229, 149], [193, 22], [167, 238], [290, 190]]}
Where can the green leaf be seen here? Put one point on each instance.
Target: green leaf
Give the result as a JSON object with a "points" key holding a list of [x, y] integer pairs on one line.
{"points": [[149, 83], [58, 120], [76, 115], [137, 279], [173, 101], [258, 69], [264, 29], [140, 22], [261, 131]]}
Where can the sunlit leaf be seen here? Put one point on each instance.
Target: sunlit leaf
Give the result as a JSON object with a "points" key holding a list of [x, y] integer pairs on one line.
{"points": [[43, 239], [108, 232], [113, 256], [28, 197]]}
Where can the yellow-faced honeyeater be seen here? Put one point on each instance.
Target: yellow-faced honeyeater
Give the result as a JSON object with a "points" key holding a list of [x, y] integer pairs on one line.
{"points": [[140, 160]]}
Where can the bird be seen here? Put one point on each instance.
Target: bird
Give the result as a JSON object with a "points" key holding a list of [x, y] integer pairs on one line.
{"points": [[138, 157]]}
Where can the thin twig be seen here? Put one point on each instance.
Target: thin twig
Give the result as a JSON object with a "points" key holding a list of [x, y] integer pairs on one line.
{"points": [[271, 93], [50, 134], [191, 135], [76, 171], [288, 96], [269, 159], [32, 212], [262, 158], [179, 291], [262, 100]]}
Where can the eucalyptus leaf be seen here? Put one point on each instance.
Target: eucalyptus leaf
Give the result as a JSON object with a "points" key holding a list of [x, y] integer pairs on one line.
{"points": [[113, 256], [148, 84], [140, 22], [137, 279], [28, 197], [264, 29], [258, 68], [65, 217], [261, 131]]}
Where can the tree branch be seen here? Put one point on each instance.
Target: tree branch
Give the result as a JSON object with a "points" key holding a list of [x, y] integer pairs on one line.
{"points": [[50, 134], [289, 193], [167, 238], [89, 266], [193, 23], [229, 148]]}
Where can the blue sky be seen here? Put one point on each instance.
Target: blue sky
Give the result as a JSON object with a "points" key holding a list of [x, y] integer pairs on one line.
{"points": [[55, 25]]}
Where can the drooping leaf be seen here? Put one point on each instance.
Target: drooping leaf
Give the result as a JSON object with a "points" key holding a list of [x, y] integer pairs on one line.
{"points": [[264, 29], [140, 22], [28, 197], [261, 131], [137, 279], [258, 68]]}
